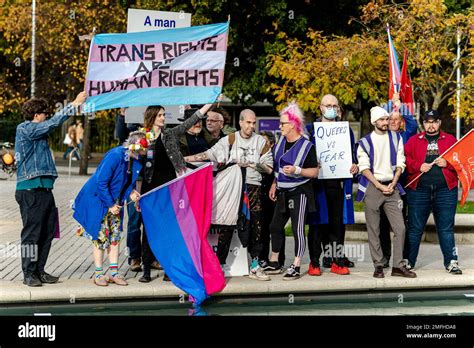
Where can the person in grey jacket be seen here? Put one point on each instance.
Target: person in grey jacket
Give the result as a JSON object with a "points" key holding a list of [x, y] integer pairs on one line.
{"points": [[36, 174], [163, 163]]}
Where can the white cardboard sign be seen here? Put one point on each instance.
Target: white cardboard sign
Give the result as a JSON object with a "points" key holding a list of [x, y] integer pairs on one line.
{"points": [[147, 20], [333, 149], [237, 260]]}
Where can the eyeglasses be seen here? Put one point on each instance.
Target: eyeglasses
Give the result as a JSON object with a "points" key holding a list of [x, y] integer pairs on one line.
{"points": [[431, 122], [213, 121], [331, 106]]}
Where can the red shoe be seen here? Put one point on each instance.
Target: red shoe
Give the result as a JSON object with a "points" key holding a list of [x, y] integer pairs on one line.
{"points": [[341, 270], [314, 271]]}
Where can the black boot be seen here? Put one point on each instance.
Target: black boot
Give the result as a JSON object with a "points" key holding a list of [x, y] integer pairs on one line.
{"points": [[146, 277]]}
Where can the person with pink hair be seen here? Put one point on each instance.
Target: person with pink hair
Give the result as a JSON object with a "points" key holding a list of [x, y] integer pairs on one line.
{"points": [[295, 164]]}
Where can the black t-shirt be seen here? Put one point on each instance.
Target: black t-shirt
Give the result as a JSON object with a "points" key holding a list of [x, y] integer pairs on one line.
{"points": [[435, 175], [163, 170], [310, 162], [196, 144]]}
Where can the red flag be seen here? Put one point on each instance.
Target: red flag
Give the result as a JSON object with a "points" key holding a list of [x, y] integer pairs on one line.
{"points": [[406, 91], [461, 157]]}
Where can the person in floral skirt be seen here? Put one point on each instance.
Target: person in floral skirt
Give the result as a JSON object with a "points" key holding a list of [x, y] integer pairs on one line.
{"points": [[98, 206]]}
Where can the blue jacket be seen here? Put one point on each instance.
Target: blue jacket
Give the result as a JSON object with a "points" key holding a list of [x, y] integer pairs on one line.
{"points": [[321, 216], [32, 151], [102, 190], [411, 126]]}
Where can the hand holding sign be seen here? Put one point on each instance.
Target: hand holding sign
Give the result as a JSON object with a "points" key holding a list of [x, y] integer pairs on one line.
{"points": [[333, 150]]}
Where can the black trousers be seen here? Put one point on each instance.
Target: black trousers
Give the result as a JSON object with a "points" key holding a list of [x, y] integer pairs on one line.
{"points": [[268, 208], [255, 200], [223, 243], [255, 246], [331, 235], [38, 213], [385, 241], [293, 207], [147, 254]]}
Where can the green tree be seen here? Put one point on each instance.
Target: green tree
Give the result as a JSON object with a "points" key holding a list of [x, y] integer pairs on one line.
{"points": [[357, 66]]}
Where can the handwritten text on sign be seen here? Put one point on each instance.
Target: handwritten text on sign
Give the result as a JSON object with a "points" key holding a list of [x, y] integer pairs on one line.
{"points": [[333, 149]]}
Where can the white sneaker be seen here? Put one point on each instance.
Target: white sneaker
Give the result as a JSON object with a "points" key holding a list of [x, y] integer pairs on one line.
{"points": [[257, 273], [453, 267], [408, 266]]}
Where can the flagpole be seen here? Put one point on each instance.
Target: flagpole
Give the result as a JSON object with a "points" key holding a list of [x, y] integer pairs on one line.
{"points": [[227, 38], [458, 89], [444, 153]]}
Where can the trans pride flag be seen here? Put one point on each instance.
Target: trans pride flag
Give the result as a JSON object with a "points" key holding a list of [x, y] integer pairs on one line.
{"points": [[166, 67], [394, 67], [177, 217]]}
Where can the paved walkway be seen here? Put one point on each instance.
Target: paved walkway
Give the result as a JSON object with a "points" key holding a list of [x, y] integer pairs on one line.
{"points": [[71, 259]]}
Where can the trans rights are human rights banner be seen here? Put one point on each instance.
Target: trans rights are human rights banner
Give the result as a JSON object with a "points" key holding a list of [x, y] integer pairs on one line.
{"points": [[165, 67]]}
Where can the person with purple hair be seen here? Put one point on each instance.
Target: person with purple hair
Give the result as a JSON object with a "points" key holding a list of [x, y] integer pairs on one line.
{"points": [[295, 164]]}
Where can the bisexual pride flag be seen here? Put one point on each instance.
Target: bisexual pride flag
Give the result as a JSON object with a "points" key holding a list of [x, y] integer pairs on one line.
{"points": [[177, 217], [166, 67]]}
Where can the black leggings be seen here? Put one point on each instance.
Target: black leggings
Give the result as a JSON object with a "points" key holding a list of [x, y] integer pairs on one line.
{"points": [[293, 207]]}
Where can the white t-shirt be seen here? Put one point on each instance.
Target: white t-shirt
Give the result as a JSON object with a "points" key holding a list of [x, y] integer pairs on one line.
{"points": [[243, 151]]}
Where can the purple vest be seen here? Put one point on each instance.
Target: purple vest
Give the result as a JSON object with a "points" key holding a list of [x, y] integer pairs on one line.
{"points": [[368, 147], [295, 156]]}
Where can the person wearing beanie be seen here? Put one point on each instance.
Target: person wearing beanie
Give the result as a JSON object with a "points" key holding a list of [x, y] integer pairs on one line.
{"points": [[381, 162]]}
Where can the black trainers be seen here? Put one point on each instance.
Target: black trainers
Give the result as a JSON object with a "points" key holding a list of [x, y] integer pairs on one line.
{"points": [[32, 280], [346, 262], [292, 273], [453, 267], [48, 278], [273, 267], [327, 262], [263, 264]]}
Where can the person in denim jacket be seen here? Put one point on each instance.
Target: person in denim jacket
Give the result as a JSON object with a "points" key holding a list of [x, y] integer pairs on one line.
{"points": [[36, 174]]}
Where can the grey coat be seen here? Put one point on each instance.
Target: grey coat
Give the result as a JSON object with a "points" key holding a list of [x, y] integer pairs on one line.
{"points": [[170, 139]]}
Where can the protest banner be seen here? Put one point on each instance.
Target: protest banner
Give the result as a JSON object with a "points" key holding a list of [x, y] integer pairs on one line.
{"points": [[333, 149], [166, 67]]}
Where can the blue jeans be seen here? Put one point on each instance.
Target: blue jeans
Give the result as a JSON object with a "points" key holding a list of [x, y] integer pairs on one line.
{"points": [[134, 232], [421, 202]]}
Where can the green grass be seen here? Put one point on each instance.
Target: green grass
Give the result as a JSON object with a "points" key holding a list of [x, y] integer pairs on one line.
{"points": [[468, 208]]}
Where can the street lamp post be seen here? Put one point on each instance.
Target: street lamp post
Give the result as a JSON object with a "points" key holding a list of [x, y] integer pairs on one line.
{"points": [[33, 47]]}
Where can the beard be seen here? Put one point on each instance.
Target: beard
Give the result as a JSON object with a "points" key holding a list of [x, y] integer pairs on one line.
{"points": [[382, 128], [431, 132]]}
